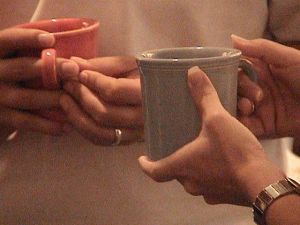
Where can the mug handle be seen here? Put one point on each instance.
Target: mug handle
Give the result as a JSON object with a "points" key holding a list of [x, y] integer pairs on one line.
{"points": [[49, 73], [247, 66]]}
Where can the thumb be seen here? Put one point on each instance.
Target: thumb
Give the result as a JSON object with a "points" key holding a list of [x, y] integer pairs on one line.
{"points": [[203, 92], [268, 51]]}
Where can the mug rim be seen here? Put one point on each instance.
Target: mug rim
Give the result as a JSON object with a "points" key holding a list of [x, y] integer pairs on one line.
{"points": [[93, 24], [146, 57]]}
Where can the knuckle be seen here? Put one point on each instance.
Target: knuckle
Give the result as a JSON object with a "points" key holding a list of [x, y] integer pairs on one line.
{"points": [[214, 120]]}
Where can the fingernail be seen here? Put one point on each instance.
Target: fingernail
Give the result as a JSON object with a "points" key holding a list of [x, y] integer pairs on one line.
{"points": [[194, 77], [83, 76], [46, 39], [238, 38], [70, 69]]}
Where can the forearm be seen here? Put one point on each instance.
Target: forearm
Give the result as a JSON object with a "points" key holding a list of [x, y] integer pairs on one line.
{"points": [[285, 210]]}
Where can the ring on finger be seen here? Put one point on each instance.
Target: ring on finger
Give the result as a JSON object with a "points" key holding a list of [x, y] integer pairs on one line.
{"points": [[118, 137]]}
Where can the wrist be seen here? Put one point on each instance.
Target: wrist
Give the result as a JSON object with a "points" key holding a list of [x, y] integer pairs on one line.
{"points": [[257, 177], [270, 206]]}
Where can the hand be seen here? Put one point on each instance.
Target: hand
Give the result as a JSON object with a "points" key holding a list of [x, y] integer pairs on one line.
{"points": [[106, 96], [278, 68], [17, 102], [222, 163]]}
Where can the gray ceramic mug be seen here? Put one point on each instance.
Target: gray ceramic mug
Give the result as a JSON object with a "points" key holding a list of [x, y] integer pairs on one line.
{"points": [[171, 118]]}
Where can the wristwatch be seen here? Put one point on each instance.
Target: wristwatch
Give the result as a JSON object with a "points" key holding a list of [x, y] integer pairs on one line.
{"points": [[271, 194]]}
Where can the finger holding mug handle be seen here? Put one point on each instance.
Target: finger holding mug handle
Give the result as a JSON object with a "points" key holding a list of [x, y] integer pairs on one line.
{"points": [[249, 92], [49, 76]]}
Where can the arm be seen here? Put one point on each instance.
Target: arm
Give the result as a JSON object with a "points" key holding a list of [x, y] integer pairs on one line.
{"points": [[219, 164], [285, 210]]}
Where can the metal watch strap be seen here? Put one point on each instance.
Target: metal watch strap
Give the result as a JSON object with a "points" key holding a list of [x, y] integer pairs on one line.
{"points": [[269, 195]]}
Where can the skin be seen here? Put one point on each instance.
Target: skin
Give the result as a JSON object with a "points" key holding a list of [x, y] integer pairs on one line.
{"points": [[225, 167], [18, 102], [278, 66], [105, 96], [218, 164]]}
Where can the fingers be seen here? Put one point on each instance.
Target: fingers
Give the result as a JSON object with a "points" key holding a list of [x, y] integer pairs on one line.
{"points": [[249, 89], [104, 113], [90, 130], [262, 122], [20, 69], [67, 69], [203, 92], [118, 91], [13, 39], [245, 106], [28, 99], [268, 51], [22, 120], [160, 171], [116, 66], [30, 68]]}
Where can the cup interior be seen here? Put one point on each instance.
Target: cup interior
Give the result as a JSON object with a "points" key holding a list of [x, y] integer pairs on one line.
{"points": [[190, 53], [61, 26]]}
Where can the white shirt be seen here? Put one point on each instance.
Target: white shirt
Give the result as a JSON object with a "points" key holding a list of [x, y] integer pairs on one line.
{"points": [[69, 180]]}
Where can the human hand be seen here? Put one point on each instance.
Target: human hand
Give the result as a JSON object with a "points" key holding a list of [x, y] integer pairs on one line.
{"points": [[278, 69], [18, 102], [222, 163], [106, 96]]}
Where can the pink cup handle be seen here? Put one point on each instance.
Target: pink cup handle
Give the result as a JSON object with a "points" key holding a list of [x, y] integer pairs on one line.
{"points": [[49, 76], [50, 81]]}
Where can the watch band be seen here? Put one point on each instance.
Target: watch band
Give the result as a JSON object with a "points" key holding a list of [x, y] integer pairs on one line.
{"points": [[269, 195]]}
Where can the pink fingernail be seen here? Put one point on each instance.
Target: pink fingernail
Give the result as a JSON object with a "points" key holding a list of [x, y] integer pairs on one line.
{"points": [[70, 68], [83, 76], [238, 38]]}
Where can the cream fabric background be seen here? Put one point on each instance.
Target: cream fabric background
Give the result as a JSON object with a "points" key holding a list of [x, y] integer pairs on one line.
{"points": [[69, 181]]}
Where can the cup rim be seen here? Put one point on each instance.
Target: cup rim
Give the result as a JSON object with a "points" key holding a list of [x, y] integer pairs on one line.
{"points": [[93, 24], [146, 56]]}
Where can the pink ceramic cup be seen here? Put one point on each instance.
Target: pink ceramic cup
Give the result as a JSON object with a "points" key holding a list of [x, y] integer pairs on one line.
{"points": [[73, 37]]}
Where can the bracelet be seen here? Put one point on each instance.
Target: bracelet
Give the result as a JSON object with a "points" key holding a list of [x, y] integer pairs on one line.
{"points": [[271, 194]]}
